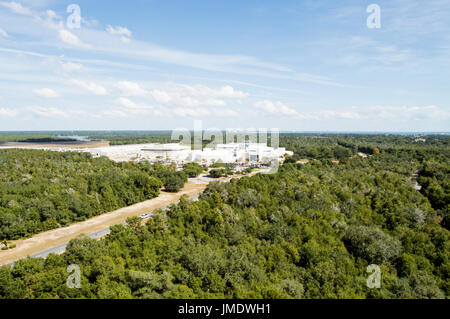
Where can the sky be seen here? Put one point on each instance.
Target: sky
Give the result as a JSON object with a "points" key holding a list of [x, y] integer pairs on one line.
{"points": [[292, 65]]}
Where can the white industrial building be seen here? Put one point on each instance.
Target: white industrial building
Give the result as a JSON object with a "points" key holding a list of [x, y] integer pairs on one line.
{"points": [[224, 153], [239, 153]]}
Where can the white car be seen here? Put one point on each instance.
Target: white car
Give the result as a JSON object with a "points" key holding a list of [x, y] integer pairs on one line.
{"points": [[144, 216]]}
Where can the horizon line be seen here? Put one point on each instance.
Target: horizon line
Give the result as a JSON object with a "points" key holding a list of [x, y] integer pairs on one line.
{"points": [[281, 132]]}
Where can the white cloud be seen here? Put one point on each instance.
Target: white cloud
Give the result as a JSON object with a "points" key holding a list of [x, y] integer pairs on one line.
{"points": [[334, 114], [52, 14], [130, 89], [52, 20], [48, 112], [125, 39], [127, 103], [131, 108], [46, 93], [3, 33], [275, 108], [195, 95], [225, 113], [191, 112], [90, 86], [124, 33], [5, 112], [175, 100], [115, 113], [71, 67], [226, 92], [406, 112], [198, 112], [395, 113], [54, 112], [171, 98], [71, 39], [189, 101], [16, 8], [161, 96], [118, 31], [229, 92], [110, 42]]}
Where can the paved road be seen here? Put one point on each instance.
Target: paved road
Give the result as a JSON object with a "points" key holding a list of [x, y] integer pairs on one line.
{"points": [[62, 248]]}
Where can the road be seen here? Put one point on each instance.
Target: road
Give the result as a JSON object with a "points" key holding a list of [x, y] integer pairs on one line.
{"points": [[56, 240], [99, 234]]}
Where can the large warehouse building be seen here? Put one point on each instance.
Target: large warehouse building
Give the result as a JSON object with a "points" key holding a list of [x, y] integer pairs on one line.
{"points": [[225, 153]]}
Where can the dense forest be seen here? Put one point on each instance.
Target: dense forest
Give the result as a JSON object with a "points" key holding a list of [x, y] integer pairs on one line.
{"points": [[42, 190], [343, 146], [308, 231], [30, 137]]}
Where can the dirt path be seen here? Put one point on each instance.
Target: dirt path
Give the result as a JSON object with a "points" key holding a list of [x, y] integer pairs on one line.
{"points": [[56, 237]]}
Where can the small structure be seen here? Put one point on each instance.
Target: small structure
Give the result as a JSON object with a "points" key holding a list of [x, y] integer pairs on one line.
{"points": [[363, 155]]}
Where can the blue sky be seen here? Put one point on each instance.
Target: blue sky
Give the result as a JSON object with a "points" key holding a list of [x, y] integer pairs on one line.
{"points": [[293, 65]]}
